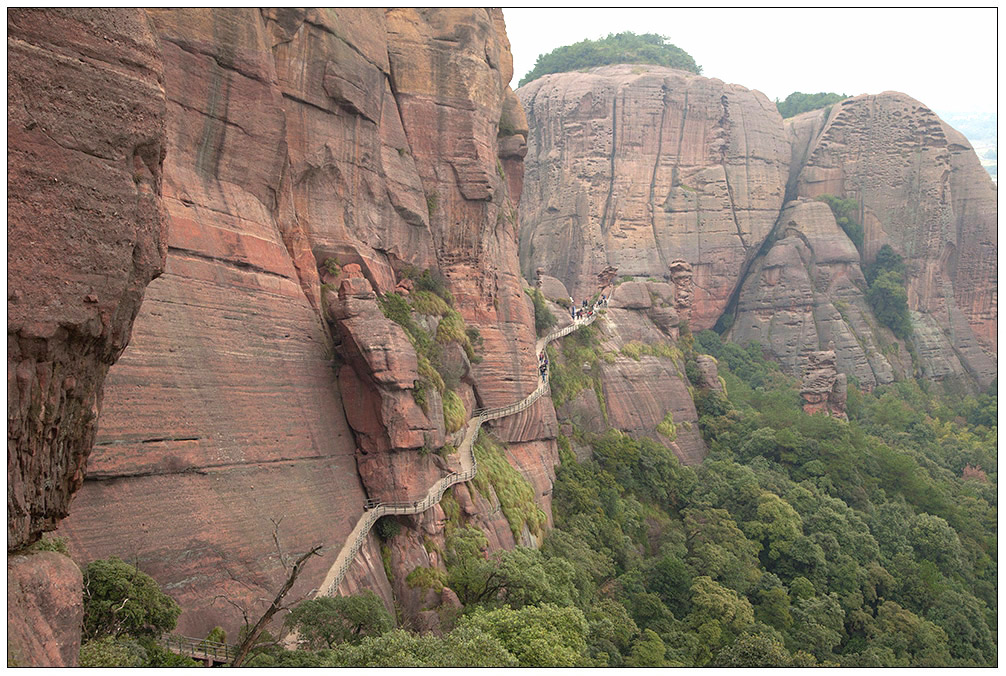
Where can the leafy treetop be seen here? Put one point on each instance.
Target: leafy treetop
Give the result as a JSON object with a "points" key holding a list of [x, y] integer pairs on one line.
{"points": [[626, 47], [798, 102]]}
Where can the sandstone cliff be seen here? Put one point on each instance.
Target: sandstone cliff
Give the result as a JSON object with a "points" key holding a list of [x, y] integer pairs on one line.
{"points": [[374, 139], [636, 368], [807, 291], [920, 189], [84, 237], [635, 166]]}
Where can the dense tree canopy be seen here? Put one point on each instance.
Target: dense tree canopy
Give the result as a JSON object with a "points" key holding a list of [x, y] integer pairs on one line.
{"points": [[625, 47], [798, 102], [121, 599]]}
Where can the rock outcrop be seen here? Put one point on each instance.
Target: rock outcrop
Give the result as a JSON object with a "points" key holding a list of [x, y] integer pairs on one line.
{"points": [[807, 291], [367, 138], [636, 166], [823, 387], [922, 190], [45, 610], [641, 375], [84, 236]]}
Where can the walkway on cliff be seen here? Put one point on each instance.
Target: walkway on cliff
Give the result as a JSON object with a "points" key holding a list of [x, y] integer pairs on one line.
{"points": [[375, 510]]}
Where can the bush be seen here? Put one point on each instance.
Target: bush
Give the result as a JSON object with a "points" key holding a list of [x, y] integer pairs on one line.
{"points": [[666, 427], [328, 621], [426, 578], [798, 102], [109, 651], [48, 544], [543, 317], [627, 47], [846, 215], [889, 300], [121, 599], [455, 415], [515, 494], [428, 303], [387, 527]]}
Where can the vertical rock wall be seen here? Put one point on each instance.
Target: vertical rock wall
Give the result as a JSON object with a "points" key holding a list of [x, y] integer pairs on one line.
{"points": [[370, 137], [922, 190], [86, 137], [635, 166]]}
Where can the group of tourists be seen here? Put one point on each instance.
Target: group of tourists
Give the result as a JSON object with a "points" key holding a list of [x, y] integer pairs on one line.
{"points": [[586, 309], [543, 365]]}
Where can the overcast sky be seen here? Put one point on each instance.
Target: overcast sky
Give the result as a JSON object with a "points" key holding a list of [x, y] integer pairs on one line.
{"points": [[945, 58]]}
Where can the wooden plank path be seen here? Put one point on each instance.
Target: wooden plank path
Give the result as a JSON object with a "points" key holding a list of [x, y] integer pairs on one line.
{"points": [[208, 652], [375, 510], [211, 652]]}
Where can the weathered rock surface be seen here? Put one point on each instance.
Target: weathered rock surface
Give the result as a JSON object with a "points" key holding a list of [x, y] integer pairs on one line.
{"points": [[710, 373], [638, 395], [635, 166], [372, 137], [823, 387], [922, 190], [84, 236], [45, 610], [808, 291]]}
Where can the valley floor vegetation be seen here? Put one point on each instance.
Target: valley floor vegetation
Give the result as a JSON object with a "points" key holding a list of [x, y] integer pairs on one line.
{"points": [[802, 540]]}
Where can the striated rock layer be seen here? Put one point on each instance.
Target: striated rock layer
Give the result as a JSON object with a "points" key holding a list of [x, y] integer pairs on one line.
{"points": [[922, 190], [298, 139], [807, 291], [84, 236], [634, 166]]}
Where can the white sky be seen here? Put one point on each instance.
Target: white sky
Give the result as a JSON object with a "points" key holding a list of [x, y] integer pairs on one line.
{"points": [[945, 58]]}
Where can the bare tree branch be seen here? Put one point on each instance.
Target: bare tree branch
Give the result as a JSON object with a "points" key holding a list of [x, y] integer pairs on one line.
{"points": [[250, 638]]}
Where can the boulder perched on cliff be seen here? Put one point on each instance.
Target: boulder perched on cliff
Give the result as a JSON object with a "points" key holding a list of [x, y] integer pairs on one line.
{"points": [[635, 165]]}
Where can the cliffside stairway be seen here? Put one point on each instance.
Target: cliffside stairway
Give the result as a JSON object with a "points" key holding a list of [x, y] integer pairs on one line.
{"points": [[212, 653], [375, 510]]}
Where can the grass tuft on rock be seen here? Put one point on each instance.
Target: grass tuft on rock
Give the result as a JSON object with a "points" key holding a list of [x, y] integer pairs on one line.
{"points": [[515, 494]]}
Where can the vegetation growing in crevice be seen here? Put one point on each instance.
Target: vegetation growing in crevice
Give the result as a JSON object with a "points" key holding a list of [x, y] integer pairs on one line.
{"points": [[543, 317], [887, 295], [454, 412], [846, 211], [515, 494], [431, 299]]}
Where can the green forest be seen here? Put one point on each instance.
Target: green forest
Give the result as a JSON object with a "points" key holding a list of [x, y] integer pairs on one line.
{"points": [[802, 540], [798, 102], [625, 47]]}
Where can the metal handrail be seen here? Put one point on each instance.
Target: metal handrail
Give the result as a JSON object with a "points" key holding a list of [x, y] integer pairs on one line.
{"points": [[199, 648], [374, 510]]}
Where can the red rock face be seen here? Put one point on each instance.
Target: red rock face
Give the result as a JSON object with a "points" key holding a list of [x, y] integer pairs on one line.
{"points": [[635, 166], [84, 236], [45, 609], [922, 190], [806, 291], [367, 136]]}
